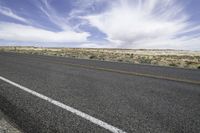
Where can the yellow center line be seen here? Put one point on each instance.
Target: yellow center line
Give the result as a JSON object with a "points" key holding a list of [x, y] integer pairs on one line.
{"points": [[129, 73], [122, 71]]}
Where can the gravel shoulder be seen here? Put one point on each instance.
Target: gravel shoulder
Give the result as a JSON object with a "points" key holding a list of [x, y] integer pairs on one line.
{"points": [[6, 126]]}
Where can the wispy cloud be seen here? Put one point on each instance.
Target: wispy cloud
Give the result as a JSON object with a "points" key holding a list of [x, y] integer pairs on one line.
{"points": [[18, 32], [8, 12], [144, 23], [53, 16], [113, 23], [10, 31]]}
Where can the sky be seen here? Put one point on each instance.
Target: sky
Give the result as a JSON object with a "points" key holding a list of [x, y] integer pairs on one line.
{"points": [[148, 24]]}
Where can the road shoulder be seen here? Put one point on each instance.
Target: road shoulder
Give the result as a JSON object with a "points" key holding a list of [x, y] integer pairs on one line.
{"points": [[6, 126]]}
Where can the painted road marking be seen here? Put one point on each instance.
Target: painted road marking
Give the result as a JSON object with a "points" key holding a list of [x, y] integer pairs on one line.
{"points": [[120, 71], [68, 108], [124, 72], [133, 73]]}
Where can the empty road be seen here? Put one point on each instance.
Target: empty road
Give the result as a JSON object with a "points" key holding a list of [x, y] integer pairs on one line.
{"points": [[43, 94]]}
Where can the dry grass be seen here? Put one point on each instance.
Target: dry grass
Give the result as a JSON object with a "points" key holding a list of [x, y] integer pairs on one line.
{"points": [[174, 58]]}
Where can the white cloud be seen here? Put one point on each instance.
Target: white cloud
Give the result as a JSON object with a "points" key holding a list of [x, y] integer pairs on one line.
{"points": [[18, 32], [28, 33], [127, 24], [8, 12], [145, 23], [90, 45], [53, 16]]}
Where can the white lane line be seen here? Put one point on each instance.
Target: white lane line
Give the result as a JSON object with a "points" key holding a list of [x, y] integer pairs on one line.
{"points": [[68, 108]]}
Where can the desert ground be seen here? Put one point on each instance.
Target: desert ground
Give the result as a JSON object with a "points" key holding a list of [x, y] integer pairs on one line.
{"points": [[172, 58]]}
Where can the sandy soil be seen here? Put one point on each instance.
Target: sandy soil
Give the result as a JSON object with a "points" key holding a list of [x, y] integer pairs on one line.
{"points": [[172, 58]]}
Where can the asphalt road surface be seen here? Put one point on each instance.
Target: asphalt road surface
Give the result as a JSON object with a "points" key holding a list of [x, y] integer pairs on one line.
{"points": [[43, 94]]}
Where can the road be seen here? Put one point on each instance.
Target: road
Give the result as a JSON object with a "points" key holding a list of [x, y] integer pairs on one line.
{"points": [[127, 97]]}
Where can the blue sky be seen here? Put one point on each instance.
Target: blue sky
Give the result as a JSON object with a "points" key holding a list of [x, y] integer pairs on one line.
{"points": [[170, 24]]}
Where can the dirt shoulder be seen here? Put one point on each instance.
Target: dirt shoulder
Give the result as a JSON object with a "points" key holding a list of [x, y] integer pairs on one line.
{"points": [[6, 126]]}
